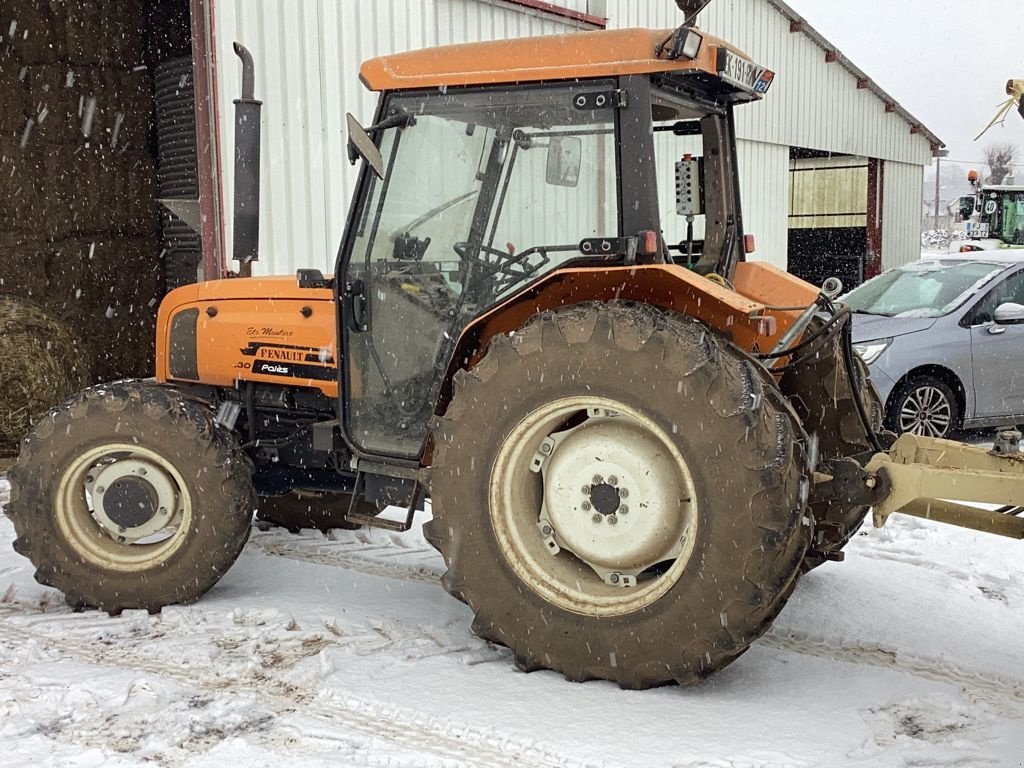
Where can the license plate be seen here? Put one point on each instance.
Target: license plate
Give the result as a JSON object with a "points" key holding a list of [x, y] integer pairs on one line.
{"points": [[744, 74]]}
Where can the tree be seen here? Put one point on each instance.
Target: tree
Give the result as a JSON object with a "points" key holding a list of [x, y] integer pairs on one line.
{"points": [[1000, 158]]}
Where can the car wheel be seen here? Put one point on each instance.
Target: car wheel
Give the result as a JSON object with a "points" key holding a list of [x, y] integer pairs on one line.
{"points": [[925, 406]]}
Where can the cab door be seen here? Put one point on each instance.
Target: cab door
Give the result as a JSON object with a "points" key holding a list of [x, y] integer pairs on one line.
{"points": [[481, 193]]}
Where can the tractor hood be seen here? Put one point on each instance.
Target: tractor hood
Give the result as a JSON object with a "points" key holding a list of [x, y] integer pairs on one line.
{"points": [[270, 288], [871, 327]]}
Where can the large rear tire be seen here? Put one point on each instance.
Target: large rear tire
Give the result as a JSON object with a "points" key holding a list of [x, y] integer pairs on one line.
{"points": [[130, 495], [822, 395], [626, 398]]}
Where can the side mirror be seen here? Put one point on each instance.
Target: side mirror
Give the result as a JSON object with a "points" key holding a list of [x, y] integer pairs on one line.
{"points": [[1009, 314], [360, 145], [565, 158]]}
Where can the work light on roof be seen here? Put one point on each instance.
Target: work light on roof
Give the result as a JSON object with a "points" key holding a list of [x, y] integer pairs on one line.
{"points": [[685, 44]]}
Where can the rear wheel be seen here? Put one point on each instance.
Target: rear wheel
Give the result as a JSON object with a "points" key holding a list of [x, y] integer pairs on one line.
{"points": [[131, 496], [618, 494]]}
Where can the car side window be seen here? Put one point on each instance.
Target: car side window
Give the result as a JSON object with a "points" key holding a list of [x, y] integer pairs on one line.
{"points": [[1010, 289]]}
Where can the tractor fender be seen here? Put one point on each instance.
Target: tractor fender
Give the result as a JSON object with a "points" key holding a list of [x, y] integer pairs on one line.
{"points": [[753, 314]]}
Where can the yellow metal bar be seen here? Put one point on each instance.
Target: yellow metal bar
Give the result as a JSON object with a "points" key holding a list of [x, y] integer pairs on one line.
{"points": [[922, 474], [962, 516]]}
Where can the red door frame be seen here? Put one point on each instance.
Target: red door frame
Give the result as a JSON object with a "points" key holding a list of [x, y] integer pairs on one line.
{"points": [[876, 194], [204, 58]]}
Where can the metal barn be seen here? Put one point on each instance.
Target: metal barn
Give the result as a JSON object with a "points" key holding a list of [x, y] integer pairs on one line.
{"points": [[832, 166], [108, 108]]}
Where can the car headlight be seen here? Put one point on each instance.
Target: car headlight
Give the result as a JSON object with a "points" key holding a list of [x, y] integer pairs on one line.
{"points": [[870, 351]]}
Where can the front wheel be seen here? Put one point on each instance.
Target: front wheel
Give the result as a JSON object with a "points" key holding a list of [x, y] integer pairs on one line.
{"points": [[618, 494], [924, 406], [129, 495]]}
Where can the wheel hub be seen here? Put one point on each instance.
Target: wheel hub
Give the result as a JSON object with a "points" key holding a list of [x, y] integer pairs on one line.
{"points": [[605, 499], [130, 502], [612, 496], [132, 499]]}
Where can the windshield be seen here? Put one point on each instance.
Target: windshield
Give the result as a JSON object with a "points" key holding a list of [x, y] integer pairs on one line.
{"points": [[922, 289]]}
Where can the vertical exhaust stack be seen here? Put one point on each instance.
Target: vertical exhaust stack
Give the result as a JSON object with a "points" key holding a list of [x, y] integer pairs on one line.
{"points": [[248, 130]]}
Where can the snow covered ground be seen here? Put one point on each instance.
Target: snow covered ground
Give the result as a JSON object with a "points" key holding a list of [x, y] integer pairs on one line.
{"points": [[344, 651]]}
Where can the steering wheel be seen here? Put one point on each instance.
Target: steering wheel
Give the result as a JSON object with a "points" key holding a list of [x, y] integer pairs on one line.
{"points": [[501, 268]]}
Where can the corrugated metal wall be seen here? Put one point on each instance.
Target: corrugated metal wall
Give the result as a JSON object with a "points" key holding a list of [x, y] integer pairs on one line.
{"points": [[764, 180], [812, 104], [903, 192], [308, 54]]}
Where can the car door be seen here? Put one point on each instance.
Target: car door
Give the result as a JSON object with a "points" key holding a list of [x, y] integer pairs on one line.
{"points": [[997, 351]]}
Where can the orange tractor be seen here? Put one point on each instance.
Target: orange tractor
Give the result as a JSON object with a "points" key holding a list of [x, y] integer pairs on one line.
{"points": [[634, 440]]}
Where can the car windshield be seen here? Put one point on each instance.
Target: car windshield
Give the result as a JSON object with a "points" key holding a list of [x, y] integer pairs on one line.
{"points": [[922, 289]]}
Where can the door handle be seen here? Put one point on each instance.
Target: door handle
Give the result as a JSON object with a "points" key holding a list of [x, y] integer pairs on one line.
{"points": [[996, 330], [356, 306]]}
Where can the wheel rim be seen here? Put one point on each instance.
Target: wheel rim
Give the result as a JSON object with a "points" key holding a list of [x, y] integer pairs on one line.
{"points": [[926, 411], [123, 507], [593, 506]]}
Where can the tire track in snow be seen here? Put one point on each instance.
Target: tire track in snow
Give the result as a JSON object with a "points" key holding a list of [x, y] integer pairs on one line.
{"points": [[378, 558], [1003, 695], [359, 551], [418, 732]]}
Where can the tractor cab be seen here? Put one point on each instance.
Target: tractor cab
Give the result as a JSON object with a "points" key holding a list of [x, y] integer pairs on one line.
{"points": [[993, 216], [492, 165]]}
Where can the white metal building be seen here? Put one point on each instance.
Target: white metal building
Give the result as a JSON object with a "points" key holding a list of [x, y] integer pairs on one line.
{"points": [[827, 158]]}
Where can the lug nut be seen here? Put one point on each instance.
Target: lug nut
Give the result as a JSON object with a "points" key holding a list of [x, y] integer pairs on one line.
{"points": [[546, 530], [596, 518], [586, 490], [142, 471], [613, 520], [623, 493], [121, 529], [585, 506], [598, 480], [100, 489], [613, 480], [623, 510]]}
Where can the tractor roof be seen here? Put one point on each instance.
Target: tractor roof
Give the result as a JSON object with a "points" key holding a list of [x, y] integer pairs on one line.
{"points": [[572, 56]]}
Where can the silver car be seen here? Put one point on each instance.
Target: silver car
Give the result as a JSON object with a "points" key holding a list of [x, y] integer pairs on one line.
{"points": [[944, 339]]}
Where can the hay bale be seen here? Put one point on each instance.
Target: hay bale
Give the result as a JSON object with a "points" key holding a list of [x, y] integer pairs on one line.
{"points": [[42, 362], [21, 170], [75, 106], [23, 267], [34, 29], [107, 34], [14, 101]]}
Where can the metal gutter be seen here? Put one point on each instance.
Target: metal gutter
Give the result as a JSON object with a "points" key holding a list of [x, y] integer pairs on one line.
{"points": [[799, 24], [559, 11]]}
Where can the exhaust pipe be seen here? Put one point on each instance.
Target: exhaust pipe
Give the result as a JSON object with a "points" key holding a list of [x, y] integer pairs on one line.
{"points": [[248, 129]]}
